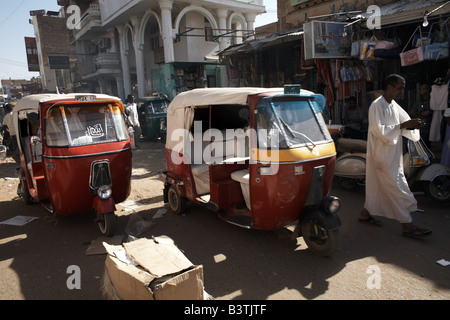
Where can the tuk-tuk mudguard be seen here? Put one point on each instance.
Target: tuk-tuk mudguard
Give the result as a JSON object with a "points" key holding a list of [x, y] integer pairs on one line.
{"points": [[331, 221], [432, 171], [315, 192], [172, 179], [103, 206], [351, 165]]}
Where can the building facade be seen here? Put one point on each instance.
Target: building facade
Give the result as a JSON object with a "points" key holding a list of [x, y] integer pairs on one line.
{"points": [[12, 89], [142, 47], [56, 52]]}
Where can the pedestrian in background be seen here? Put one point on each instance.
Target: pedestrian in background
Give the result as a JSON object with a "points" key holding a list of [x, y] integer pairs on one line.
{"points": [[387, 191], [133, 118], [353, 120]]}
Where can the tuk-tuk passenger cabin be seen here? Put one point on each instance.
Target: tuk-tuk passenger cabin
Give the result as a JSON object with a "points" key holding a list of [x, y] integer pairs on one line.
{"points": [[260, 158]]}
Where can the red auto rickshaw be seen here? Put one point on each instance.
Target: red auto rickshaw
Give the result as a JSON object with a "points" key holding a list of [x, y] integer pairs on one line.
{"points": [[75, 154], [259, 157]]}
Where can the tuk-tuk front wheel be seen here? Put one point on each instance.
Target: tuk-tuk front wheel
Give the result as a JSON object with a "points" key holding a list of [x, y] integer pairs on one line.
{"points": [[107, 224], [318, 238], [177, 203]]}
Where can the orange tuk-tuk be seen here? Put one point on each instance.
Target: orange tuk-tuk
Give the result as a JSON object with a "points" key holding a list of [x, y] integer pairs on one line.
{"points": [[258, 157]]}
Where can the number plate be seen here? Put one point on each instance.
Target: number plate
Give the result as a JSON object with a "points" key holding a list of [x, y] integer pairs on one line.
{"points": [[85, 98]]}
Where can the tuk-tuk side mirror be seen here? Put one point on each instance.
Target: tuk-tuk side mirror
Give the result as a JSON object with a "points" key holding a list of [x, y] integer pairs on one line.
{"points": [[35, 140], [319, 102]]}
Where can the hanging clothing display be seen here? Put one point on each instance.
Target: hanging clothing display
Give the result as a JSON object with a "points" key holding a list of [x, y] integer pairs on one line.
{"points": [[325, 76], [438, 103]]}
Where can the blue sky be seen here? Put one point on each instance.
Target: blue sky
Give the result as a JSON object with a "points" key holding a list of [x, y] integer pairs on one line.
{"points": [[14, 26]]}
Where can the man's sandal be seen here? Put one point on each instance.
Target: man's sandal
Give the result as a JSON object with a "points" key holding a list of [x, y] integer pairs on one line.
{"points": [[371, 221], [417, 233]]}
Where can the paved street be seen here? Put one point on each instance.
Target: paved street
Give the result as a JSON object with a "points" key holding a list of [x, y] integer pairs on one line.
{"points": [[373, 263]]}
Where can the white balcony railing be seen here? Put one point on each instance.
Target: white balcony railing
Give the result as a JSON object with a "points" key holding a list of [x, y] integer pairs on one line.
{"points": [[108, 60], [90, 19], [91, 14]]}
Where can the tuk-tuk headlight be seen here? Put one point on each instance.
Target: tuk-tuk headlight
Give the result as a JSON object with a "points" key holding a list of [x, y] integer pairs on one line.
{"points": [[331, 204], [104, 192]]}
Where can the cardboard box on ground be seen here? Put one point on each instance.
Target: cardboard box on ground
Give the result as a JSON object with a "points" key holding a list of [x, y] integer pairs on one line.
{"points": [[151, 269]]}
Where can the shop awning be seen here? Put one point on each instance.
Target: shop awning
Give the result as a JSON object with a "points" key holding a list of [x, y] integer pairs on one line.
{"points": [[279, 38], [236, 48], [268, 41]]}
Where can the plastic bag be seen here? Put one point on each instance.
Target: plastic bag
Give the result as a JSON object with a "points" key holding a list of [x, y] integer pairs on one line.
{"points": [[136, 227]]}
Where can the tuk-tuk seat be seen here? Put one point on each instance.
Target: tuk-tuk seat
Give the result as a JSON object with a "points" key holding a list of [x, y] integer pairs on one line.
{"points": [[82, 140], [225, 151], [200, 172], [198, 169], [243, 177]]}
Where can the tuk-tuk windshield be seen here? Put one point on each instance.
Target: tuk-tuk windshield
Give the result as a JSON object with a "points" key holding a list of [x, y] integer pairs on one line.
{"points": [[84, 125], [292, 121], [157, 106]]}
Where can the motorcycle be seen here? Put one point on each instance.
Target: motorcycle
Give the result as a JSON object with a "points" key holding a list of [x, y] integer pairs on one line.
{"points": [[3, 150], [350, 169], [423, 176], [8, 144]]}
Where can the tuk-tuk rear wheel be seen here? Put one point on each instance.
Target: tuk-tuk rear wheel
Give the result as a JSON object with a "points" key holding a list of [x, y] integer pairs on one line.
{"points": [[24, 193], [318, 238], [107, 224], [177, 204]]}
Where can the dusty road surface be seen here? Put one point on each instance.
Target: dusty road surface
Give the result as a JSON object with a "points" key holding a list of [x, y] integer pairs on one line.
{"points": [[372, 263]]}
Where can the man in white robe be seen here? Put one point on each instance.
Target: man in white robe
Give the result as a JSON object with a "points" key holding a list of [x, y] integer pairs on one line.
{"points": [[387, 191], [133, 117]]}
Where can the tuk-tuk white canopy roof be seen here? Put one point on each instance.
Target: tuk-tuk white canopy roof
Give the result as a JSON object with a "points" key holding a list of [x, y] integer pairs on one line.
{"points": [[215, 96], [180, 114], [32, 102]]}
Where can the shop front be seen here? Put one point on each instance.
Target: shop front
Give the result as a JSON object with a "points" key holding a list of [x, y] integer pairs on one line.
{"points": [[174, 78], [344, 62], [271, 61]]}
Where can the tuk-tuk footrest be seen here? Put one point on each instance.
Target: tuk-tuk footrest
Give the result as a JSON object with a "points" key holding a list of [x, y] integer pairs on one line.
{"points": [[206, 204], [241, 221]]}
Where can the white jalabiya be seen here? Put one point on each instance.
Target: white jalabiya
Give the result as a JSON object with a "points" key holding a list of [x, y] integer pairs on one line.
{"points": [[387, 191]]}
